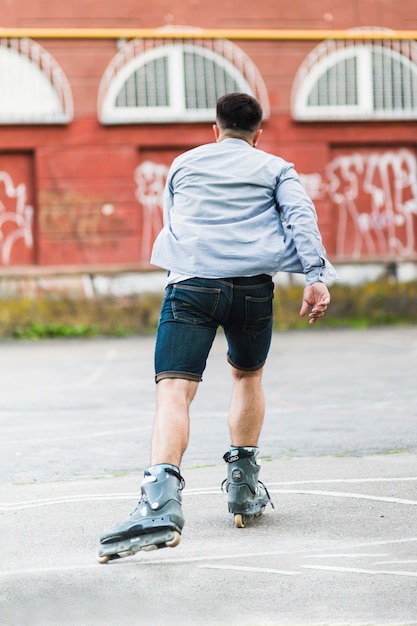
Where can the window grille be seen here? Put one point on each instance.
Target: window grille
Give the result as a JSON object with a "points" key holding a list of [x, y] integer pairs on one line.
{"points": [[33, 88], [175, 81], [357, 80]]}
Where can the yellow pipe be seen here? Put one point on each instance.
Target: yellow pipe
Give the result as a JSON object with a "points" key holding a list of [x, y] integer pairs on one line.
{"points": [[242, 34]]}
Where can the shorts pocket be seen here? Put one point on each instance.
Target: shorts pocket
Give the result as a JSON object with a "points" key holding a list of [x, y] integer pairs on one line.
{"points": [[258, 313], [194, 305]]}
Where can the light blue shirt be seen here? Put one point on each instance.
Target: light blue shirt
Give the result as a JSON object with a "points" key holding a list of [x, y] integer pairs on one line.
{"points": [[232, 210]]}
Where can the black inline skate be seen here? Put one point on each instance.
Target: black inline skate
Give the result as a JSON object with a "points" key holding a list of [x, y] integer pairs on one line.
{"points": [[247, 496], [156, 522]]}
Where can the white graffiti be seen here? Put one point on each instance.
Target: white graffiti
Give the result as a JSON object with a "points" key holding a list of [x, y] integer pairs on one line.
{"points": [[150, 183], [314, 186], [376, 198], [14, 224], [376, 194]]}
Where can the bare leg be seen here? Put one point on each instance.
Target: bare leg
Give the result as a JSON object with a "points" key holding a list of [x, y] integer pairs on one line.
{"points": [[247, 408], [172, 423]]}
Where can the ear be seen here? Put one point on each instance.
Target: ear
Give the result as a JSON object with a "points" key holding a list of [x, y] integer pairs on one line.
{"points": [[216, 131], [257, 137]]}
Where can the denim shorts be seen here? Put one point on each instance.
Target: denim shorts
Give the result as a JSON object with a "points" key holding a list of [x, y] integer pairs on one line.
{"points": [[193, 310]]}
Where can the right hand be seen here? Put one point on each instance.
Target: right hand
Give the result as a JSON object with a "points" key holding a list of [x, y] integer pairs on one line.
{"points": [[317, 297]]}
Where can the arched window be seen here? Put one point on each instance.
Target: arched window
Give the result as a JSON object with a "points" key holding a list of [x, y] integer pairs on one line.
{"points": [[357, 80], [33, 88], [175, 81]]}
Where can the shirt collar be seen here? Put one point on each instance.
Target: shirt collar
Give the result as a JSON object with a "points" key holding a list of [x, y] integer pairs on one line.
{"points": [[235, 140]]}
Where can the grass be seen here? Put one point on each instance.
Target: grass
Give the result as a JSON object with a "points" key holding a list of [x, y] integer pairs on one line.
{"points": [[42, 318], [373, 304]]}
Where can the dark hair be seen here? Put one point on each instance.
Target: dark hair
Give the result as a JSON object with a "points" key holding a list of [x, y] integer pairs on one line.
{"points": [[239, 112]]}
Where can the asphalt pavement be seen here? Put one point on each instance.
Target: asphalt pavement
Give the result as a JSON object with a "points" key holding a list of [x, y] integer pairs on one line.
{"points": [[338, 453]]}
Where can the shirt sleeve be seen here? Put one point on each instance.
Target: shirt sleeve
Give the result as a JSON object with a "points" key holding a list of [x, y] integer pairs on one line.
{"points": [[300, 223], [168, 199]]}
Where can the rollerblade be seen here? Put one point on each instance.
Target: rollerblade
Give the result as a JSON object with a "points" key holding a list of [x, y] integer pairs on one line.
{"points": [[156, 522], [247, 496]]}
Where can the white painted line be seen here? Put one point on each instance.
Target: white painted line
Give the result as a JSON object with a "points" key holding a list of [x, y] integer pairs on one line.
{"points": [[34, 504], [241, 568], [346, 480], [386, 542], [91, 497], [47, 570], [395, 562], [196, 559], [195, 492], [347, 555], [356, 570], [138, 561], [341, 494]]}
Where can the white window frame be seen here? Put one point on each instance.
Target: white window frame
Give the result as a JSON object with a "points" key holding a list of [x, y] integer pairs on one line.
{"points": [[34, 89], [118, 73], [329, 54]]}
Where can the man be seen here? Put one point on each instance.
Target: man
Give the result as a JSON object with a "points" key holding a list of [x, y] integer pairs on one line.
{"points": [[234, 216]]}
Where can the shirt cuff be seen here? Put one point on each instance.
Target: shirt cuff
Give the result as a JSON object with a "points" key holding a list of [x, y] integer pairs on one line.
{"points": [[324, 273]]}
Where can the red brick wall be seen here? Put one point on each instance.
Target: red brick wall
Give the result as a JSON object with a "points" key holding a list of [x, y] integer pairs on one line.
{"points": [[80, 178]]}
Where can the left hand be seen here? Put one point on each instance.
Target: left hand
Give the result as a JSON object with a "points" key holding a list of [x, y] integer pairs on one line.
{"points": [[317, 297]]}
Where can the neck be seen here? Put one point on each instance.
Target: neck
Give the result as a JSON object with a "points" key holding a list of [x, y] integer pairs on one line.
{"points": [[227, 135]]}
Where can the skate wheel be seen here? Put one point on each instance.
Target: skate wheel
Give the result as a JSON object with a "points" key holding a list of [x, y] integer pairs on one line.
{"points": [[103, 559], [171, 543], [239, 521]]}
